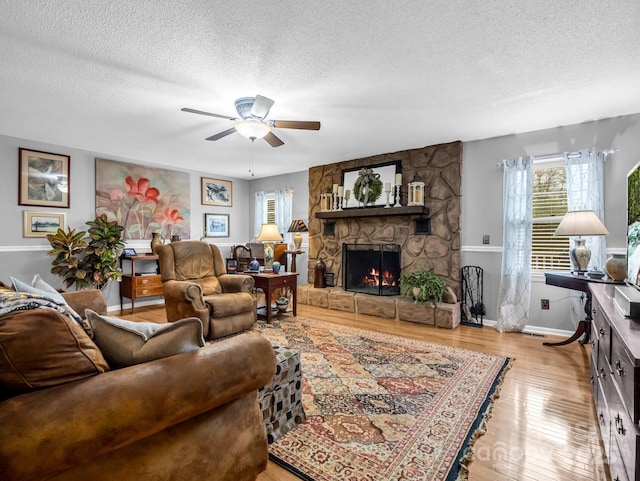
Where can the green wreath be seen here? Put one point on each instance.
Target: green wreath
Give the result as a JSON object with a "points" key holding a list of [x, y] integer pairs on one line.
{"points": [[375, 191]]}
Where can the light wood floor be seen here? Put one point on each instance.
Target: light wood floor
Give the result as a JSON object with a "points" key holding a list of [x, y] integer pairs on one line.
{"points": [[543, 425]]}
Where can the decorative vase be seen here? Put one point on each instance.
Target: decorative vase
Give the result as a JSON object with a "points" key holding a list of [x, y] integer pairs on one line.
{"points": [[282, 303], [276, 267], [616, 267], [319, 275], [156, 240], [254, 265]]}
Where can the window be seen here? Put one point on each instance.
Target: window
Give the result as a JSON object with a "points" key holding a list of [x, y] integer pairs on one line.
{"points": [[549, 206], [271, 208]]}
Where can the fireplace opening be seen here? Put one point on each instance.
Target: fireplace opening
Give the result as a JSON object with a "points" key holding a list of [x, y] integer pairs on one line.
{"points": [[371, 268]]}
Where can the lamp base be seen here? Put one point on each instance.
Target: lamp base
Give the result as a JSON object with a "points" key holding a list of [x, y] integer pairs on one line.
{"points": [[580, 256], [297, 241], [268, 255]]}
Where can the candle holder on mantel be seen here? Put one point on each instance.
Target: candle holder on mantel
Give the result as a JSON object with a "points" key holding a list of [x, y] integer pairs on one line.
{"points": [[326, 201], [397, 204], [416, 191]]}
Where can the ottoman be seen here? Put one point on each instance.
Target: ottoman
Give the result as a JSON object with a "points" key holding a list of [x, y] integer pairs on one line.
{"points": [[281, 399]]}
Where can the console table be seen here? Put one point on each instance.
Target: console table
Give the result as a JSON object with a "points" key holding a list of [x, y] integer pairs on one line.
{"points": [[615, 381], [269, 282], [576, 282]]}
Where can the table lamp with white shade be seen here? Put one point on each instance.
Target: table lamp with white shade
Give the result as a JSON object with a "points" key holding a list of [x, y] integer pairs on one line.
{"points": [[579, 223], [268, 235]]}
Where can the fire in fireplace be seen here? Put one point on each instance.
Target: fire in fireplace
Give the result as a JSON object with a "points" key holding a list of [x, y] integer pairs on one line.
{"points": [[371, 268]]}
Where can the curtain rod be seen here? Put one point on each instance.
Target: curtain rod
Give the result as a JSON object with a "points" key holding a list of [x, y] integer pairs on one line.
{"points": [[570, 155]]}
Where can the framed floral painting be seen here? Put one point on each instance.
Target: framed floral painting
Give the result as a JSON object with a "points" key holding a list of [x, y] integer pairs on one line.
{"points": [[143, 199]]}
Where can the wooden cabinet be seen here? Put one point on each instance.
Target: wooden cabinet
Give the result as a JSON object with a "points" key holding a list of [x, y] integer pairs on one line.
{"points": [[615, 374], [141, 280]]}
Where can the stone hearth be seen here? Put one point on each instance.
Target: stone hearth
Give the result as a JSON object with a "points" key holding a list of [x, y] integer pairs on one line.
{"points": [[392, 307]]}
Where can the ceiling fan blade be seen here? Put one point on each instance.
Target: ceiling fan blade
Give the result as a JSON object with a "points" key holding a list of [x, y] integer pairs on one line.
{"points": [[193, 111], [222, 134], [296, 124], [261, 106], [273, 140]]}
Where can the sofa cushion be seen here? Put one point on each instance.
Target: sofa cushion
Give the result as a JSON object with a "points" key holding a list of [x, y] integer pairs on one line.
{"points": [[124, 343], [42, 348], [229, 304]]}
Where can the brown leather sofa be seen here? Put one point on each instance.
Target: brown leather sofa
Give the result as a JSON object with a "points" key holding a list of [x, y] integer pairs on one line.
{"points": [[196, 284], [188, 417]]}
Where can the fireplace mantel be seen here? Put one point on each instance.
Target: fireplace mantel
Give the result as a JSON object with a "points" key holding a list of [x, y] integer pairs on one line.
{"points": [[373, 212]]}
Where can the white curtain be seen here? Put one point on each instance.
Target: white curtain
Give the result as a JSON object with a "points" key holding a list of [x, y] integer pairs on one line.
{"points": [[260, 212], [515, 280], [585, 191], [284, 198]]}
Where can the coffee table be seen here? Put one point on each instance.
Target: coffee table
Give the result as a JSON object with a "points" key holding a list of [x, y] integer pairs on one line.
{"points": [[269, 282]]}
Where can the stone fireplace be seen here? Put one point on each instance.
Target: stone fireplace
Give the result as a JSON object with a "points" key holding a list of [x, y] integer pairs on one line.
{"points": [[371, 268], [438, 248]]}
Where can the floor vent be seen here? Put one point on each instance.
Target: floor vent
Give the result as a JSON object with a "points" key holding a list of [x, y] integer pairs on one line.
{"points": [[534, 334]]}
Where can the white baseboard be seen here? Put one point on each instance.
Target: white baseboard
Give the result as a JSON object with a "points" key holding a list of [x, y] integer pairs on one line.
{"points": [[536, 330]]}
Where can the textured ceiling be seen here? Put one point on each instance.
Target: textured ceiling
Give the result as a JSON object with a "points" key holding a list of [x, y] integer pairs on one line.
{"points": [[112, 76]]}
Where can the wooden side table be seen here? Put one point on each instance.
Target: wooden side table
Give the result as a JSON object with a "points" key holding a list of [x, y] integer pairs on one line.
{"points": [[135, 285], [293, 255], [269, 282], [577, 282]]}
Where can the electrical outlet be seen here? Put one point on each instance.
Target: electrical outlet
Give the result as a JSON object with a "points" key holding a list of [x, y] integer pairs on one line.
{"points": [[485, 239], [544, 303]]}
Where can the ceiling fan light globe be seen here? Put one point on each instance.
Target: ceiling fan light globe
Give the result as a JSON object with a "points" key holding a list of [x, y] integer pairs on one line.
{"points": [[252, 129]]}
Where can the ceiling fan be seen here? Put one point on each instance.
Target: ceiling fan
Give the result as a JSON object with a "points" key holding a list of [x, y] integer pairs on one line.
{"points": [[251, 121]]}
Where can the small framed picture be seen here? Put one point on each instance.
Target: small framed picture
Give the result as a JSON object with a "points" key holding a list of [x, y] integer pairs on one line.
{"points": [[129, 252], [43, 179], [232, 266], [40, 224], [216, 225], [216, 192]]}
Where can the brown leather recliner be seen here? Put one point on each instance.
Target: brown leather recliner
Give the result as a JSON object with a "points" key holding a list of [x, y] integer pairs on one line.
{"points": [[195, 283]]}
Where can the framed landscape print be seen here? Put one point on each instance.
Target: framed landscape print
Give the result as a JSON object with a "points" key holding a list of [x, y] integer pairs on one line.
{"points": [[216, 225], [43, 179], [39, 224], [216, 192]]}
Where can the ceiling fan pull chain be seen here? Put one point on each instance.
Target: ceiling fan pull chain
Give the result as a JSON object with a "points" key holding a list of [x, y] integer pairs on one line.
{"points": [[251, 160]]}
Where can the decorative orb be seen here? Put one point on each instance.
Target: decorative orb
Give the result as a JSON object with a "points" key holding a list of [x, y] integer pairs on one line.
{"points": [[254, 265]]}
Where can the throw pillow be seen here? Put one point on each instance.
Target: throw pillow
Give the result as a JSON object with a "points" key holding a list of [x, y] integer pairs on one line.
{"points": [[124, 343], [39, 287], [41, 348], [39, 283]]}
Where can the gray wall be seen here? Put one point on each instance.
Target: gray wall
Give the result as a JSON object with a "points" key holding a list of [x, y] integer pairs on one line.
{"points": [[481, 204], [23, 257], [482, 200]]}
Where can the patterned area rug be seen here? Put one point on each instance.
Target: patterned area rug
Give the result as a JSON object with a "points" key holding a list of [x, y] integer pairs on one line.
{"points": [[382, 407]]}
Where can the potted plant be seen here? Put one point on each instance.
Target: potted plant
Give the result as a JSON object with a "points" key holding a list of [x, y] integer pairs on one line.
{"points": [[422, 285], [91, 261]]}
